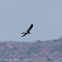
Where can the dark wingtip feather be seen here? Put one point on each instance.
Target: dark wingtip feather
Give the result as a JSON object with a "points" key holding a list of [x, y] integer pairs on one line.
{"points": [[31, 24]]}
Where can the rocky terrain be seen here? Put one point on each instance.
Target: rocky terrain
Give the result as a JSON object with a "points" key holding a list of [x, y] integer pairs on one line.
{"points": [[39, 51]]}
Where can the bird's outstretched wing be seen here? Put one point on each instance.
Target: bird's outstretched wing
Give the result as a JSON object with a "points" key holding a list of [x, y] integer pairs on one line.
{"points": [[30, 28]]}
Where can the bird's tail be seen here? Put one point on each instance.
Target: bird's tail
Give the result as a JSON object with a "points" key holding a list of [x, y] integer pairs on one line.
{"points": [[23, 33]]}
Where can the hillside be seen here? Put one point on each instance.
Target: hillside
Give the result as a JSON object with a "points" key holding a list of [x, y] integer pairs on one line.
{"points": [[39, 51]]}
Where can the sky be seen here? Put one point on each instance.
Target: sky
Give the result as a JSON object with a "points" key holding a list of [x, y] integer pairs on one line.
{"points": [[17, 15]]}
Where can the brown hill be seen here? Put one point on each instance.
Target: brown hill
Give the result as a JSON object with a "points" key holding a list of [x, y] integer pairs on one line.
{"points": [[40, 51]]}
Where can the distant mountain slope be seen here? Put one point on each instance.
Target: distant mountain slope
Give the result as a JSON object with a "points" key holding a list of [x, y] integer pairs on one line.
{"points": [[40, 51]]}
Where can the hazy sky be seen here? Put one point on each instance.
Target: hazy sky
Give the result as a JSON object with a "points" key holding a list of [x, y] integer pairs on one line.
{"points": [[17, 15]]}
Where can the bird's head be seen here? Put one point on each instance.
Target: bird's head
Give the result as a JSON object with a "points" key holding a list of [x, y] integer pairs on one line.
{"points": [[29, 33]]}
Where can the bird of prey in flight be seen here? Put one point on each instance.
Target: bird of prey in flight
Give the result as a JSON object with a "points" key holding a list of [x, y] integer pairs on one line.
{"points": [[28, 31]]}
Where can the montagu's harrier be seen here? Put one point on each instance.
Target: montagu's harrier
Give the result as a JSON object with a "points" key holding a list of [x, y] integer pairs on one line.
{"points": [[28, 31]]}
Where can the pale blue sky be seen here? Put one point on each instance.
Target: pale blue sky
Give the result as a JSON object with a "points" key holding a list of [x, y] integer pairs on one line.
{"points": [[17, 15]]}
